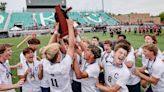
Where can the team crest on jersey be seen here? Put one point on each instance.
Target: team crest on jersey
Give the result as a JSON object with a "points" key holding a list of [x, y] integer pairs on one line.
{"points": [[109, 78], [116, 75]]}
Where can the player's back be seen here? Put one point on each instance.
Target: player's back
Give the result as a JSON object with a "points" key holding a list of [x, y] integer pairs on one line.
{"points": [[59, 77]]}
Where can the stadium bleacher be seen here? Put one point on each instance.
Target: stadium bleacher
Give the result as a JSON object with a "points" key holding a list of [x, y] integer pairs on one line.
{"points": [[47, 18], [25, 18], [3, 18]]}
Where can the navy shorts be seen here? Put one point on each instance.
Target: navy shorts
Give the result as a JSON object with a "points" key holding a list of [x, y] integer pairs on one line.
{"points": [[76, 86], [134, 88], [45, 89]]}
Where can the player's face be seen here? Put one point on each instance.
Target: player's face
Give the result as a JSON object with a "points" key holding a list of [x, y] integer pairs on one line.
{"points": [[4, 56], [88, 54], [66, 45], [85, 44], [148, 39], [147, 53], [107, 47], [95, 42], [33, 46], [120, 55], [8, 52], [120, 38], [29, 56]]}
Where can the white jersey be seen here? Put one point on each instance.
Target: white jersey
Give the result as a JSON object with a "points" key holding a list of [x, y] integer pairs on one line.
{"points": [[59, 75], [93, 70], [117, 75], [133, 79], [106, 57], [5, 75], [32, 83], [44, 81], [140, 52], [162, 57], [23, 59], [156, 69]]}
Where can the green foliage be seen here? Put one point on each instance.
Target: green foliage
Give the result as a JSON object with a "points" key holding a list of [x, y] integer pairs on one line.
{"points": [[3, 6], [161, 15]]}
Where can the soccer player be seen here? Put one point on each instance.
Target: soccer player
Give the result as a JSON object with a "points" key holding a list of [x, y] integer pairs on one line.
{"points": [[119, 37], [89, 71], [105, 57], [117, 72], [31, 71], [133, 83], [154, 67], [44, 84], [81, 46], [95, 41], [58, 70], [32, 43], [108, 52], [9, 52], [5, 73], [149, 39]]}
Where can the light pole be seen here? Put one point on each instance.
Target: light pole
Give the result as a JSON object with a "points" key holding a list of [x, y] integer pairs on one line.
{"points": [[103, 5]]}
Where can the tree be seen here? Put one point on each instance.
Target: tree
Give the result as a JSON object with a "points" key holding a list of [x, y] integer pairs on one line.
{"points": [[3, 6], [161, 15]]}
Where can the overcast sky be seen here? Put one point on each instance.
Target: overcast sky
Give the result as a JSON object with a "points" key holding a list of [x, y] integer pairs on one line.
{"points": [[154, 7]]}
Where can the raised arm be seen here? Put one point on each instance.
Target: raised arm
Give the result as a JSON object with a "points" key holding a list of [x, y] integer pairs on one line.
{"points": [[71, 39], [54, 35]]}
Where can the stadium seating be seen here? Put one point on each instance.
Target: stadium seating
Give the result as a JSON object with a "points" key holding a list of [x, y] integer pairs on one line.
{"points": [[29, 19], [45, 18], [3, 18], [77, 17], [25, 18]]}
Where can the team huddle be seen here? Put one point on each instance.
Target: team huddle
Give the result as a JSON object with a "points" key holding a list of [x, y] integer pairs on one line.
{"points": [[74, 64]]}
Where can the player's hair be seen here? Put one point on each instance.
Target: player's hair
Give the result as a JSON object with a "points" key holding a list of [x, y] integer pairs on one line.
{"points": [[33, 41], [153, 38], [52, 55], [121, 35], [86, 40], [65, 41], [95, 37], [95, 50], [123, 42], [123, 46], [151, 47], [4, 46], [27, 50], [108, 42]]}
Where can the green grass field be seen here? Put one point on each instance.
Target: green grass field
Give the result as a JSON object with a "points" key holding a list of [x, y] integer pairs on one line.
{"points": [[135, 39]]}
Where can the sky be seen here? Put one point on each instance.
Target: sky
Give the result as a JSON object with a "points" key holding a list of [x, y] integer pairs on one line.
{"points": [[154, 7]]}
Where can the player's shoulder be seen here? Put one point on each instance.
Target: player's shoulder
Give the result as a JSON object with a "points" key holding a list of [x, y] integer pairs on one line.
{"points": [[67, 57], [158, 63]]}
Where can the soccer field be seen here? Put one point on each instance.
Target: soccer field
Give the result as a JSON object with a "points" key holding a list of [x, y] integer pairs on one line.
{"points": [[135, 39]]}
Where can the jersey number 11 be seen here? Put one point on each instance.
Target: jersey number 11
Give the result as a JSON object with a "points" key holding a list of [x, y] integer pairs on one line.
{"points": [[54, 82]]}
